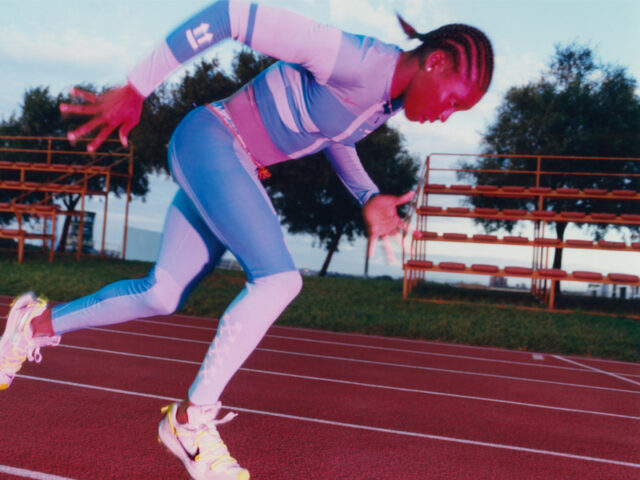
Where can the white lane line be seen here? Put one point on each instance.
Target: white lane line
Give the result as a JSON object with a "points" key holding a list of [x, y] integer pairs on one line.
{"points": [[394, 339], [21, 472], [588, 367], [356, 426], [446, 370], [373, 347], [367, 385], [407, 340], [373, 362]]}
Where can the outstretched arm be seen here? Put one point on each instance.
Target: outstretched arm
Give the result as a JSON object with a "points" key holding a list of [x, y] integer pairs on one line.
{"points": [[273, 31]]}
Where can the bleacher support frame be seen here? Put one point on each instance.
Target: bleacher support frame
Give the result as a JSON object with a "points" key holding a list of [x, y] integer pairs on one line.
{"points": [[543, 279], [64, 178]]}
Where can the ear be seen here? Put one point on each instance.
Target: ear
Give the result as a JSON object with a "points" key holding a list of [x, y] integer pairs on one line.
{"points": [[437, 61]]}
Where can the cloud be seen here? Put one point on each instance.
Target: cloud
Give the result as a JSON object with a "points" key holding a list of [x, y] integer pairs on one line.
{"points": [[62, 48]]}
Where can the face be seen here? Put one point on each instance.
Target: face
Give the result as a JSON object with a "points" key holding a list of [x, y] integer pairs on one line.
{"points": [[437, 90]]}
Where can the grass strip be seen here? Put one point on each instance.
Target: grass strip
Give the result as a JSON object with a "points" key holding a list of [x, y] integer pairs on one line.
{"points": [[371, 306]]}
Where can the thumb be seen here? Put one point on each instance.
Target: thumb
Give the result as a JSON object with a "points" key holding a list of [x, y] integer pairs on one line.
{"points": [[407, 197]]}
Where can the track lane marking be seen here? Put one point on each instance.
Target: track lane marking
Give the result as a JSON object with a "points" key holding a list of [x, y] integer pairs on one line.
{"points": [[597, 370], [374, 362], [355, 426], [371, 336], [373, 347], [369, 385], [21, 472]]}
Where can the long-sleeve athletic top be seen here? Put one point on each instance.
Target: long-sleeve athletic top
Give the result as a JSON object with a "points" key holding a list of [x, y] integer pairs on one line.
{"points": [[328, 90]]}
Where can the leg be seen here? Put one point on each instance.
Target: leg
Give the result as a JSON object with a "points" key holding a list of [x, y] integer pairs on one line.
{"points": [[220, 180], [188, 252]]}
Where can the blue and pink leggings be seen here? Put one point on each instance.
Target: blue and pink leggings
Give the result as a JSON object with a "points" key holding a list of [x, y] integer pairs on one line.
{"points": [[220, 205]]}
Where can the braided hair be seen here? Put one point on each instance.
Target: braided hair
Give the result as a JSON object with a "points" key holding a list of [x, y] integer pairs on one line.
{"points": [[458, 40]]}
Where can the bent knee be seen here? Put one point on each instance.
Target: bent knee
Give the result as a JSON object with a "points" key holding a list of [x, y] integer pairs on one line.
{"points": [[165, 293], [294, 283], [286, 285]]}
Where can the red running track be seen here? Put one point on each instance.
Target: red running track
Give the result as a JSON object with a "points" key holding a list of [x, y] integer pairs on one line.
{"points": [[322, 405]]}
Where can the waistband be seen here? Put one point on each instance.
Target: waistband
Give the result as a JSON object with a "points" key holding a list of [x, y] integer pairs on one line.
{"points": [[244, 114]]}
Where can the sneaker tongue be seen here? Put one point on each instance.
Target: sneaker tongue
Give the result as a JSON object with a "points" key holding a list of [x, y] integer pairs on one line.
{"points": [[202, 415]]}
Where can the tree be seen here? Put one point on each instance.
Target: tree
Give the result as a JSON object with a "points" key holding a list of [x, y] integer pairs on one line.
{"points": [[579, 107], [307, 195], [311, 199], [163, 110]]}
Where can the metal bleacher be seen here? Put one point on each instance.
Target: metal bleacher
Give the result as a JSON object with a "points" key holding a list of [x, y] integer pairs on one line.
{"points": [[416, 260], [35, 171]]}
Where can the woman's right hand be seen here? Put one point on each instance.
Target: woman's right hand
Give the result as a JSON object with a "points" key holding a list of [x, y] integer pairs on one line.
{"points": [[119, 107]]}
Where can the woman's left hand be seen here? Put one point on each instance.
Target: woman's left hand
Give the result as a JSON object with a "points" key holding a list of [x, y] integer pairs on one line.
{"points": [[381, 217]]}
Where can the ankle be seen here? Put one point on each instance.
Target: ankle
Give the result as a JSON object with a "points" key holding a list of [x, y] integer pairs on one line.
{"points": [[41, 326], [182, 416]]}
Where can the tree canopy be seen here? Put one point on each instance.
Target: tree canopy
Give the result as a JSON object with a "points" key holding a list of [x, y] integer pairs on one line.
{"points": [[311, 199], [578, 107], [307, 194]]}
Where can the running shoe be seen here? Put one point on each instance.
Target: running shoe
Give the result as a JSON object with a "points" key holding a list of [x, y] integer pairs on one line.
{"points": [[198, 443], [17, 343]]}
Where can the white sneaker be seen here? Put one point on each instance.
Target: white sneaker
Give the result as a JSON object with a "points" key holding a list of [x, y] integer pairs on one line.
{"points": [[17, 343], [198, 443]]}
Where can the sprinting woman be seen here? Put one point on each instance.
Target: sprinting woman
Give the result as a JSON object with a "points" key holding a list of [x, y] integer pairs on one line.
{"points": [[328, 90]]}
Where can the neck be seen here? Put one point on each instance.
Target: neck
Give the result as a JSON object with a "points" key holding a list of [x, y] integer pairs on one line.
{"points": [[405, 70]]}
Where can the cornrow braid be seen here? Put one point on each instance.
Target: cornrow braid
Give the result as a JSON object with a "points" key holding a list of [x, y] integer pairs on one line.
{"points": [[463, 43]]}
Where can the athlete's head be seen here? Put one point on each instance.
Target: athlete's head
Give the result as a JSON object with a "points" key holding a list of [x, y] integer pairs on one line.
{"points": [[452, 71]]}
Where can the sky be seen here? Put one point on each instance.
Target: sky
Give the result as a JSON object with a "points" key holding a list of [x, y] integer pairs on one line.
{"points": [[59, 44]]}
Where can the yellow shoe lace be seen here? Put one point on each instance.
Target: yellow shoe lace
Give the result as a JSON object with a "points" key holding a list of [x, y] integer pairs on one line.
{"points": [[212, 450]]}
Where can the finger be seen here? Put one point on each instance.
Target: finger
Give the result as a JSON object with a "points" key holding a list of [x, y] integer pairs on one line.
{"points": [[404, 226], [79, 109], [101, 137], [84, 129], [373, 243], [391, 256], [397, 238], [407, 197], [83, 94], [124, 133]]}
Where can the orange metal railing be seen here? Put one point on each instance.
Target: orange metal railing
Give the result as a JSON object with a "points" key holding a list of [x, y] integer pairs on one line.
{"points": [[45, 168], [534, 185]]}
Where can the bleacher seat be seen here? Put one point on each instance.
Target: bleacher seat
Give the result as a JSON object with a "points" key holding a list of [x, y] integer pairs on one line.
{"points": [[453, 266], [590, 276], [623, 278], [482, 268], [552, 273]]}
